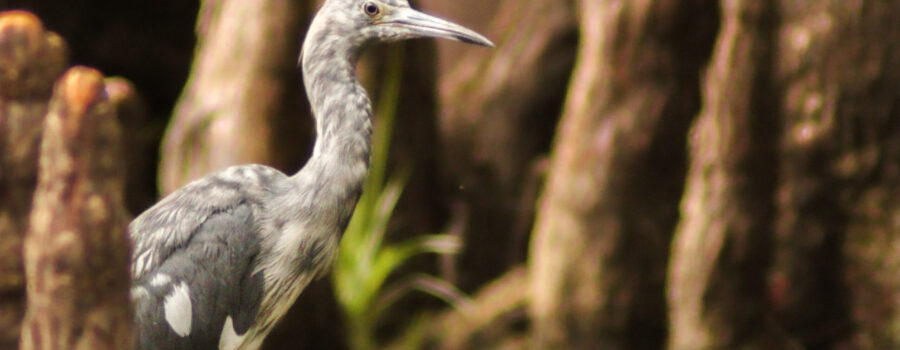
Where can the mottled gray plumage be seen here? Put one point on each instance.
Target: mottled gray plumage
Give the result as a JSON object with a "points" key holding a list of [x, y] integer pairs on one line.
{"points": [[217, 263]]}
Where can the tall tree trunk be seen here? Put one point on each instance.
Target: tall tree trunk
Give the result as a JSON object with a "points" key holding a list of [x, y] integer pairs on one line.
{"points": [[498, 109], [77, 251], [792, 182], [836, 275], [719, 253], [138, 141], [30, 60], [601, 239], [243, 103]]}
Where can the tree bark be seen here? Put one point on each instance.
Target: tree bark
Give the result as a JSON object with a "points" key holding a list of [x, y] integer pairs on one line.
{"points": [[791, 184], [601, 237], [718, 300], [498, 109], [137, 144], [836, 275], [77, 252], [30, 60], [243, 103]]}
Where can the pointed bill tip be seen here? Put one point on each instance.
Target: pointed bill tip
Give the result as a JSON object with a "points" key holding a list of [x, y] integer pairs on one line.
{"points": [[475, 40], [418, 24]]}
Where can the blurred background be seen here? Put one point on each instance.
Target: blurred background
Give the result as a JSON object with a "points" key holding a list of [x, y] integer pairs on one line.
{"points": [[648, 174]]}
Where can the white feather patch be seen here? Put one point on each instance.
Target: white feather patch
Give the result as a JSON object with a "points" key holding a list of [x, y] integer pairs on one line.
{"points": [[141, 263], [178, 309], [230, 340], [160, 280]]}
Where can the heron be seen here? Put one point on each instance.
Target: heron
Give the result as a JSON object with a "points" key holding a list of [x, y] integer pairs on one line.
{"points": [[218, 262]]}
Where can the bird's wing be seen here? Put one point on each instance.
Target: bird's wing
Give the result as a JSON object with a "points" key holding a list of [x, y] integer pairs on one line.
{"points": [[185, 301], [170, 224]]}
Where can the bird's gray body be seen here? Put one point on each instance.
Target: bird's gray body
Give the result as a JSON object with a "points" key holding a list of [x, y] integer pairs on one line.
{"points": [[216, 255], [218, 262]]}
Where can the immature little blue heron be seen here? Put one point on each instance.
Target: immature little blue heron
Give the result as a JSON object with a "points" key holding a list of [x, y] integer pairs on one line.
{"points": [[217, 263]]}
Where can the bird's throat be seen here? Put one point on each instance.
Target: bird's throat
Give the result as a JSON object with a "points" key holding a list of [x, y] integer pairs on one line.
{"points": [[343, 114]]}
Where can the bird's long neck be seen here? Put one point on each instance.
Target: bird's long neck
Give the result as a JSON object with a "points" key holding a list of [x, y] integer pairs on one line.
{"points": [[343, 113]]}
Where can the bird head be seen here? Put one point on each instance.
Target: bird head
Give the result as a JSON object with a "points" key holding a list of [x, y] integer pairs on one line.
{"points": [[368, 21]]}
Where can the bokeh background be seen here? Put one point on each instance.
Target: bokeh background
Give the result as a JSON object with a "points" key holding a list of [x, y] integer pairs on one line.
{"points": [[647, 174]]}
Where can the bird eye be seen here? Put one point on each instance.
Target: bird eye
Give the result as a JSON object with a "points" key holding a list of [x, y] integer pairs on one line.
{"points": [[371, 8]]}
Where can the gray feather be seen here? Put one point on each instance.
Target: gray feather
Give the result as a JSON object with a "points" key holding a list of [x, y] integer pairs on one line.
{"points": [[214, 255], [171, 223]]}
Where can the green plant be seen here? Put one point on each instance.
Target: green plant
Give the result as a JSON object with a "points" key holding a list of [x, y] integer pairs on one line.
{"points": [[365, 260]]}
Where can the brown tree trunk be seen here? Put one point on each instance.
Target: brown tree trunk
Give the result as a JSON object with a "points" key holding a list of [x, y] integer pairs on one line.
{"points": [[151, 43], [243, 103], [137, 144], [719, 253], [498, 109], [836, 273], [30, 60], [792, 183], [601, 237], [77, 251]]}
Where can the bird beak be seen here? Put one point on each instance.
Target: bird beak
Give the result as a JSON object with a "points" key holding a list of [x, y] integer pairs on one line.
{"points": [[418, 24]]}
